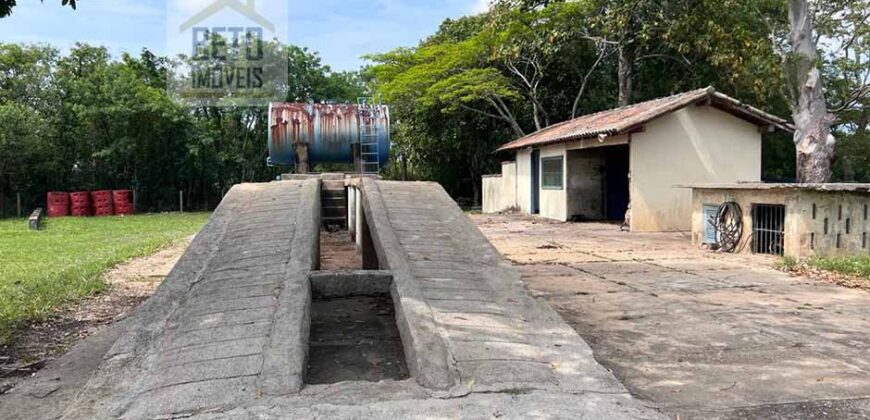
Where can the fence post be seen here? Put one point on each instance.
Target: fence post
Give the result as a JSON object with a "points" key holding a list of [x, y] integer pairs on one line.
{"points": [[181, 201], [18, 203], [135, 206]]}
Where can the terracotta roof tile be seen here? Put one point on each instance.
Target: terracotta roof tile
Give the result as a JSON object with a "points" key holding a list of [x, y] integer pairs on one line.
{"points": [[621, 120]]}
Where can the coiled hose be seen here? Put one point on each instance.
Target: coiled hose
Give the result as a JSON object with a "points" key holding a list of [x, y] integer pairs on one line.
{"points": [[729, 227]]}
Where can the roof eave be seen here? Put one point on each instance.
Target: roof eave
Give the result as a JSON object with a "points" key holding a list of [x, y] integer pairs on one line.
{"points": [[564, 139], [767, 118], [708, 96]]}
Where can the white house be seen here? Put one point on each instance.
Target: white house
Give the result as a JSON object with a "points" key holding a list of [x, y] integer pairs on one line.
{"points": [[633, 159]]}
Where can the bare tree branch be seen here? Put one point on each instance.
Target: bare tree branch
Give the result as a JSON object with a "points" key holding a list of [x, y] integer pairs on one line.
{"points": [[508, 115], [602, 54], [481, 112], [681, 60], [854, 97]]}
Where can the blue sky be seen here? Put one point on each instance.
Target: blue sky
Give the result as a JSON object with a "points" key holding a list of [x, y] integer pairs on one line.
{"points": [[341, 30]]}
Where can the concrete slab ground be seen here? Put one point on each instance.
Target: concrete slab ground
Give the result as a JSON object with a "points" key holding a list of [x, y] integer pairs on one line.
{"points": [[702, 335]]}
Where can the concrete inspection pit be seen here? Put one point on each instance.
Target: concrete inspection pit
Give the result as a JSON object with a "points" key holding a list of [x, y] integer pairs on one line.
{"points": [[354, 339], [353, 334]]}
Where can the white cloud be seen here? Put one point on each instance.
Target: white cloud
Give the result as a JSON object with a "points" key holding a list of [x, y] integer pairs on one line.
{"points": [[188, 7], [127, 8], [480, 6]]}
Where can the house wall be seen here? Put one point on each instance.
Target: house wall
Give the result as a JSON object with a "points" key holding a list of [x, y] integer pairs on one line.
{"points": [[691, 146], [499, 191], [524, 180], [805, 234]]}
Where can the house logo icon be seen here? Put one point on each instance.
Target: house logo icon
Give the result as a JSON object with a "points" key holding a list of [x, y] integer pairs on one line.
{"points": [[247, 9], [231, 51]]}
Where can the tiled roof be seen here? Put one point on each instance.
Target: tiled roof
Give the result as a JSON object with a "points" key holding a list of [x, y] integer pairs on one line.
{"points": [[624, 119]]}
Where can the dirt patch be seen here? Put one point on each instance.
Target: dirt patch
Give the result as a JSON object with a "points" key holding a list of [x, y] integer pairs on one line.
{"points": [[338, 251], [840, 279], [130, 284]]}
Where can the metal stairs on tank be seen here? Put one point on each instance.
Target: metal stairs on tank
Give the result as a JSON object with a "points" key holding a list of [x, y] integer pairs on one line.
{"points": [[333, 201], [369, 138]]}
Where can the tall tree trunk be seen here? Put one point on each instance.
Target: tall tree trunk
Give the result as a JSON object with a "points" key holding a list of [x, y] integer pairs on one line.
{"points": [[814, 143], [475, 186], [624, 73]]}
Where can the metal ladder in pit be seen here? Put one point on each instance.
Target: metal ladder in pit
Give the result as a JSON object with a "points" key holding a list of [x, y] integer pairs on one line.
{"points": [[369, 141]]}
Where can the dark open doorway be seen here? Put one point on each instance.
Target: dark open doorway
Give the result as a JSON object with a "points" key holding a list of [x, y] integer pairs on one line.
{"points": [[598, 184], [616, 182], [536, 181]]}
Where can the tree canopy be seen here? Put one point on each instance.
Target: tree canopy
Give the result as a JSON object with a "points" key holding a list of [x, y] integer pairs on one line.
{"points": [[6, 6], [85, 120], [523, 65]]}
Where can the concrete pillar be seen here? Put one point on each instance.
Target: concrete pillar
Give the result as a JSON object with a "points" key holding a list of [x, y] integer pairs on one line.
{"points": [[369, 256], [351, 212], [358, 218]]}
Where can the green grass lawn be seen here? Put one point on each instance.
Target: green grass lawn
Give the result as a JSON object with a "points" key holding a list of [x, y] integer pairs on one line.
{"points": [[858, 266], [41, 271]]}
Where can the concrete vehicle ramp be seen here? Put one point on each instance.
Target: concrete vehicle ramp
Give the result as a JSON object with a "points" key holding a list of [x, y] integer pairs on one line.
{"points": [[224, 326], [227, 334], [468, 321]]}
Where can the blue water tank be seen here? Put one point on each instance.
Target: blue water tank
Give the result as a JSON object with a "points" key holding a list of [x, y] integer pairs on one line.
{"points": [[331, 131]]}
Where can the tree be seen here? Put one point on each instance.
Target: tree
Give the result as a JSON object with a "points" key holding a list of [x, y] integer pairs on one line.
{"points": [[814, 142], [841, 34], [7, 5], [526, 64], [85, 120], [503, 65]]}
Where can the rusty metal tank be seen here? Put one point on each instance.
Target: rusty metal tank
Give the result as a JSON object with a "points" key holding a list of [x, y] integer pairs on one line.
{"points": [[332, 132]]}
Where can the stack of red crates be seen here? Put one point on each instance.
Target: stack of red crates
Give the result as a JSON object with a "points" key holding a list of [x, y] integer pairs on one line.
{"points": [[58, 204], [123, 202], [81, 203], [93, 203], [102, 202]]}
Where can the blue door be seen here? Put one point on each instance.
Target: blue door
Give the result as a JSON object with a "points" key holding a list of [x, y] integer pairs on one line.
{"points": [[536, 181], [710, 213]]}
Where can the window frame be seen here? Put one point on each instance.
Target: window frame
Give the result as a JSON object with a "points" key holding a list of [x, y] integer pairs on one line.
{"points": [[547, 159]]}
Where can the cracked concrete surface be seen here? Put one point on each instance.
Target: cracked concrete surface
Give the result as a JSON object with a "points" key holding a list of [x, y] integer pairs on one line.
{"points": [[706, 336]]}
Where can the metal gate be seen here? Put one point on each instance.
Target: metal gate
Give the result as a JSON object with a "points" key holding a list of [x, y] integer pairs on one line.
{"points": [[768, 229]]}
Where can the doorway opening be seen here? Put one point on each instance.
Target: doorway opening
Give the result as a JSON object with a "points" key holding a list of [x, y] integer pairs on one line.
{"points": [[598, 184], [615, 185], [536, 182]]}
